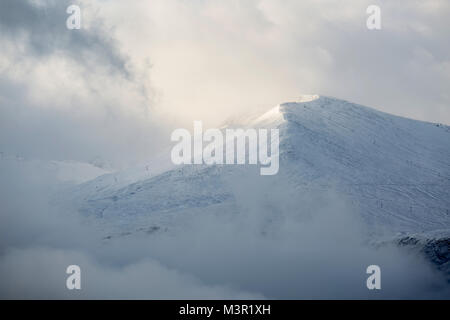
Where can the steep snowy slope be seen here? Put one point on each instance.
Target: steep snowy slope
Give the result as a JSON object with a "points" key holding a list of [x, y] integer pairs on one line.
{"points": [[395, 172], [396, 169]]}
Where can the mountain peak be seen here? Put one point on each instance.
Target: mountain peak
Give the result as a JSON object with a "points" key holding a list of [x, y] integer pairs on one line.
{"points": [[280, 114], [313, 100], [308, 97]]}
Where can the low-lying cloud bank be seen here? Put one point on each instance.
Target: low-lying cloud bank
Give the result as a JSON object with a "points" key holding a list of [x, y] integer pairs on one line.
{"points": [[39, 273], [280, 245]]}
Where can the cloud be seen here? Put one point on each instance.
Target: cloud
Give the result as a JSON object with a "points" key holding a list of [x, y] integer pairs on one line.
{"points": [[214, 59], [144, 280], [276, 243], [39, 28], [71, 94]]}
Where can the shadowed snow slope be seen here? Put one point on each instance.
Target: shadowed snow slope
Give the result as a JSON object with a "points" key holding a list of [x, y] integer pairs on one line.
{"points": [[393, 171]]}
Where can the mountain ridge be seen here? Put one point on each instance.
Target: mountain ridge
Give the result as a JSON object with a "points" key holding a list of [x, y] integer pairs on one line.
{"points": [[394, 170]]}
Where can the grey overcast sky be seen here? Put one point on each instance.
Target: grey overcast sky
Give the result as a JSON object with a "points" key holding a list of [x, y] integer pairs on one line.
{"points": [[137, 67]]}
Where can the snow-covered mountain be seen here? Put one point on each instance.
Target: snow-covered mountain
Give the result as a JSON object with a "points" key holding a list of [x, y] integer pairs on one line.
{"points": [[393, 171]]}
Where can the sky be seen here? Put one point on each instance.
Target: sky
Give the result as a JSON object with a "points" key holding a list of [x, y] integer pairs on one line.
{"points": [[135, 70]]}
